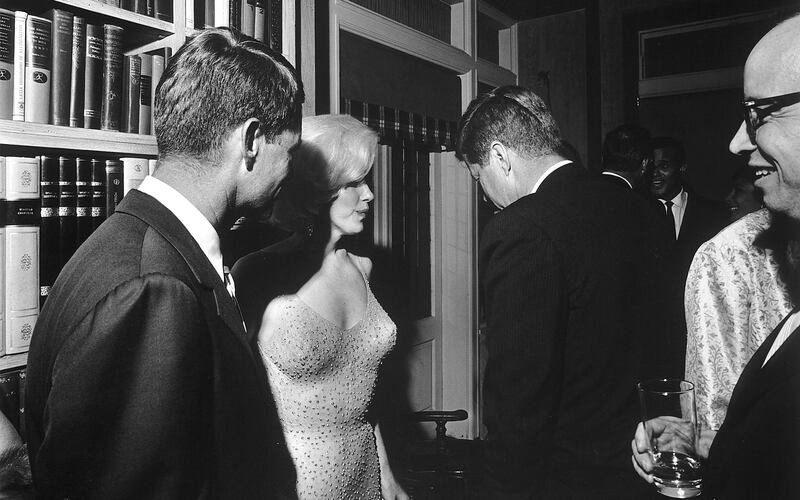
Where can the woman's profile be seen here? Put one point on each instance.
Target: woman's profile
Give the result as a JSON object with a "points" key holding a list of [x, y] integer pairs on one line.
{"points": [[322, 334]]}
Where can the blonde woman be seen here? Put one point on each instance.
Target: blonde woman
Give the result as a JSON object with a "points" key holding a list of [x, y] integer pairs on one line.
{"points": [[322, 334]]}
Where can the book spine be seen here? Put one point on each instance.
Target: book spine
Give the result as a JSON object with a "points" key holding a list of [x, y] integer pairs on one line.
{"points": [[146, 94], [83, 201], [190, 14], [9, 397], [115, 188], [23, 390], [98, 184], [131, 90], [163, 10], [158, 70], [77, 72], [151, 166], [127, 5], [235, 14], [2, 254], [260, 21], [248, 17], [93, 82], [134, 170], [67, 209], [111, 105], [49, 260], [221, 12], [6, 64], [20, 19], [22, 252], [150, 8], [113, 3], [140, 6], [38, 45], [62, 22]]}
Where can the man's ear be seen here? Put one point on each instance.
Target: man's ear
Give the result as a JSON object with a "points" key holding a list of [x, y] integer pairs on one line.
{"points": [[500, 154], [250, 132]]}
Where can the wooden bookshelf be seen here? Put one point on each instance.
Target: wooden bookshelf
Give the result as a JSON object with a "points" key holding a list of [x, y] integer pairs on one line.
{"points": [[11, 361], [52, 137], [117, 15]]}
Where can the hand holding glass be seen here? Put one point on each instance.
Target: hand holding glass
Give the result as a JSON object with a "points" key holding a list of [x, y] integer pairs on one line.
{"points": [[669, 418]]}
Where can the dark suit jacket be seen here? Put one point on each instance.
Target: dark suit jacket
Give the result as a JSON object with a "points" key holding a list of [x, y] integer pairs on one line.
{"points": [[569, 275], [140, 381], [756, 453]]}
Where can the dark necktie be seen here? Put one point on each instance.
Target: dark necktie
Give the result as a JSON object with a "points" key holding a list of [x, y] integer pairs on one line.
{"points": [[670, 217]]}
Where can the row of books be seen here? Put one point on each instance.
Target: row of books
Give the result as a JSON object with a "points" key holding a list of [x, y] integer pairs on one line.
{"points": [[12, 398], [61, 70], [50, 205], [159, 9]]}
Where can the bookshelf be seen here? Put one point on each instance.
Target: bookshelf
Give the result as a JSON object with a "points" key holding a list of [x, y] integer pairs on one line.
{"points": [[142, 34]]}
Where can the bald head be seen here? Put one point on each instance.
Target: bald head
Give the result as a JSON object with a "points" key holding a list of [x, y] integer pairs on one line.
{"points": [[773, 67]]}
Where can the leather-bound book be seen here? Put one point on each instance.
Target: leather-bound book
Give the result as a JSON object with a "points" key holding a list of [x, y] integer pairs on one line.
{"points": [[93, 82], [131, 90], [62, 65], [38, 64], [83, 201], [49, 255], [111, 105], [98, 183], [77, 72], [67, 208]]}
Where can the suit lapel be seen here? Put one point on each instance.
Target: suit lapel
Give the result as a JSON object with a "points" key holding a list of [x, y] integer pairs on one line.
{"points": [[755, 378], [157, 216]]}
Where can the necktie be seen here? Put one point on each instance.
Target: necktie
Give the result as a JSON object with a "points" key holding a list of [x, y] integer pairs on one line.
{"points": [[671, 217], [229, 284]]}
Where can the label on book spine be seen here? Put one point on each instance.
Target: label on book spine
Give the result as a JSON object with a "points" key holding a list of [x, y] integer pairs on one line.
{"points": [[18, 112], [6, 64], [98, 183], [37, 69], [146, 94], [112, 78], [77, 72]]}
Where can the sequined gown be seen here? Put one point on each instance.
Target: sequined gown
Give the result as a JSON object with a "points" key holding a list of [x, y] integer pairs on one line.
{"points": [[322, 378]]}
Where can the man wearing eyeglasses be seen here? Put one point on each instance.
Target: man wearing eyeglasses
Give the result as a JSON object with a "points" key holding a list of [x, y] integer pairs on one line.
{"points": [[756, 452]]}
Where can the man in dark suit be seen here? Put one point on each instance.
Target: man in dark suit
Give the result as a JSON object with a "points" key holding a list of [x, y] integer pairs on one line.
{"points": [[626, 155], [693, 220], [696, 219], [756, 452], [567, 267], [141, 382]]}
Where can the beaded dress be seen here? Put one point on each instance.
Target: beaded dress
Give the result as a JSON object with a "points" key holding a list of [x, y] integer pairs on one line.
{"points": [[322, 377]]}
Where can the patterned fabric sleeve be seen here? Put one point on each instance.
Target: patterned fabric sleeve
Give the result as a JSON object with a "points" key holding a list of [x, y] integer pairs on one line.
{"points": [[717, 319]]}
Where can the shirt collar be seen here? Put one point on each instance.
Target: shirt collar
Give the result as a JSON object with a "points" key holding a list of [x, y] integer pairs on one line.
{"points": [[195, 222], [679, 200], [619, 176], [548, 172]]}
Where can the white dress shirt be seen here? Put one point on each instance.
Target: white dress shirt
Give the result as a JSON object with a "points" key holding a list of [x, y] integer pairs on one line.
{"points": [[195, 222], [678, 209], [790, 326]]}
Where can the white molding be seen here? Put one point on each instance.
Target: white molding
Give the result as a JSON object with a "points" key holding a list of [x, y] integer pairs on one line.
{"points": [[334, 82], [500, 17], [494, 75], [726, 78], [367, 24], [288, 40]]}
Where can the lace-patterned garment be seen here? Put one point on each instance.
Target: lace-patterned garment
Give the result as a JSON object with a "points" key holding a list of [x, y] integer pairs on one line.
{"points": [[323, 377], [734, 299]]}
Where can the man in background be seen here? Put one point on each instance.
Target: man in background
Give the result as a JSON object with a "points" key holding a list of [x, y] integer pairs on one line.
{"points": [[626, 155], [756, 452], [141, 382], [568, 267]]}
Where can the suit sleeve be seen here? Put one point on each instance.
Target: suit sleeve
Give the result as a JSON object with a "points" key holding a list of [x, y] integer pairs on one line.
{"points": [[526, 312], [125, 415]]}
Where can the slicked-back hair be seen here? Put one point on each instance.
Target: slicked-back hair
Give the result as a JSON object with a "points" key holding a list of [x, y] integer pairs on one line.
{"points": [[512, 115], [625, 147], [673, 144], [214, 83]]}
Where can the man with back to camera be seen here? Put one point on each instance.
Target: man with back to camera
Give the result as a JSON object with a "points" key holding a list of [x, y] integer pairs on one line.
{"points": [[141, 381], [756, 452], [568, 266]]}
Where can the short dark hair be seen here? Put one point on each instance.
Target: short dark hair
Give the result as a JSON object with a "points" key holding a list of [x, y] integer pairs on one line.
{"points": [[512, 115], [673, 144], [215, 82], [625, 147]]}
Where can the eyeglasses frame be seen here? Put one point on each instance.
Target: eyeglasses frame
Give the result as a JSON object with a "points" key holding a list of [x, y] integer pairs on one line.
{"points": [[755, 110]]}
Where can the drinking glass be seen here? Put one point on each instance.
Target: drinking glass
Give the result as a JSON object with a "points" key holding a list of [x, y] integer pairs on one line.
{"points": [[669, 418]]}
